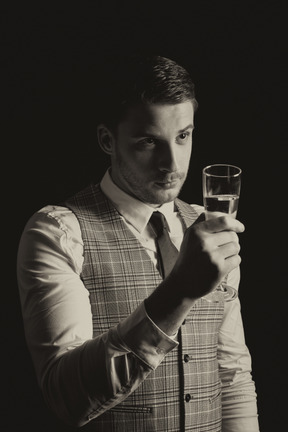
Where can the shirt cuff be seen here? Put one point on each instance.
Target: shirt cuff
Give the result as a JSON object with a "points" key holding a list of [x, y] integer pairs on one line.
{"points": [[142, 337]]}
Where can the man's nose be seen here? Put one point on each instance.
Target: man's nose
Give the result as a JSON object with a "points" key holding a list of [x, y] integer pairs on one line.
{"points": [[168, 158]]}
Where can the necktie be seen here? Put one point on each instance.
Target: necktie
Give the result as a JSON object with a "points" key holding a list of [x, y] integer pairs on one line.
{"points": [[167, 252]]}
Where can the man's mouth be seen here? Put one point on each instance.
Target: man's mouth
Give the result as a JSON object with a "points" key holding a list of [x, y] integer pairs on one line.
{"points": [[167, 184]]}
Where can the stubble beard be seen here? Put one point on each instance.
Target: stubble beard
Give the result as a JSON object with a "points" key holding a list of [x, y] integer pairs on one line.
{"points": [[148, 191]]}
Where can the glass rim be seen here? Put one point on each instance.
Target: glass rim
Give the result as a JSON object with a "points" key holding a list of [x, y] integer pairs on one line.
{"points": [[222, 165]]}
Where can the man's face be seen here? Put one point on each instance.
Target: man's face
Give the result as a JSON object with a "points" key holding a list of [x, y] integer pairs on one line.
{"points": [[151, 152]]}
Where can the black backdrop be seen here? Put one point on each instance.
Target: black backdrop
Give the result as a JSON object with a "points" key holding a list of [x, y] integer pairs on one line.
{"points": [[236, 51]]}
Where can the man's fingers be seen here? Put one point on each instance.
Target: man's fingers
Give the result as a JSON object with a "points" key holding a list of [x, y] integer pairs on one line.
{"points": [[223, 223], [221, 238], [230, 249], [226, 257]]}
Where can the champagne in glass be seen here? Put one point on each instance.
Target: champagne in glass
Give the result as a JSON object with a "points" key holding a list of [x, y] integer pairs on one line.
{"points": [[221, 203], [221, 191]]}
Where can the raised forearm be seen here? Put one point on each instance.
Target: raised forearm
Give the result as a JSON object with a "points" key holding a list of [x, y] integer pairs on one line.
{"points": [[167, 307]]}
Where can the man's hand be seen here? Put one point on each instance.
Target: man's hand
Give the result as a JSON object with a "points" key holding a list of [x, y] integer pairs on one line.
{"points": [[209, 251]]}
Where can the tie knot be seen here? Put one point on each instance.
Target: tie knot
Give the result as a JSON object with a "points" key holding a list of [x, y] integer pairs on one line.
{"points": [[158, 222]]}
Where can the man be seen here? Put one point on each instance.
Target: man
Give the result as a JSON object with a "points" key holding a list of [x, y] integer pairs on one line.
{"points": [[120, 342]]}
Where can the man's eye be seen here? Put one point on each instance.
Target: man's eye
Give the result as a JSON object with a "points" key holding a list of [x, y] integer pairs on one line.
{"points": [[146, 143], [149, 141], [184, 135]]}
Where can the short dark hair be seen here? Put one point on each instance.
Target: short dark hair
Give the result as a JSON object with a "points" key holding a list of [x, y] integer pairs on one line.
{"points": [[148, 80]]}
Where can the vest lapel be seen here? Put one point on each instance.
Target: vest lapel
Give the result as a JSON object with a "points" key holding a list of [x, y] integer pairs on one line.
{"points": [[188, 214]]}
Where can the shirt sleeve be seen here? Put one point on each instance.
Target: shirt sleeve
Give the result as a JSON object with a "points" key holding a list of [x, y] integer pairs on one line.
{"points": [[239, 403], [80, 376], [239, 408]]}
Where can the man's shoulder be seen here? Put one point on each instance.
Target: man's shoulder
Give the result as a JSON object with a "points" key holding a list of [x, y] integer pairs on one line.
{"points": [[90, 198], [88, 193]]}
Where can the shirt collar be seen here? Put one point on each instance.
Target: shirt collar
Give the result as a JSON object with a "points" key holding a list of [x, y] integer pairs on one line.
{"points": [[135, 212]]}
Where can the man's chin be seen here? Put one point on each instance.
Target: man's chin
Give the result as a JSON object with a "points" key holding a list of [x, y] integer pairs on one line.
{"points": [[163, 195]]}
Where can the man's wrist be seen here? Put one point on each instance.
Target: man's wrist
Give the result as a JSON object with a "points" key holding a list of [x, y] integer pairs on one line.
{"points": [[144, 338], [167, 307]]}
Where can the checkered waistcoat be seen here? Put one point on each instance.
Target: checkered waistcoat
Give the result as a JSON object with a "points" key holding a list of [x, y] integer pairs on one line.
{"points": [[184, 392]]}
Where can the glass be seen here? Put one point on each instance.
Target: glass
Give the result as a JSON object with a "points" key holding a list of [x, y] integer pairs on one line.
{"points": [[221, 192]]}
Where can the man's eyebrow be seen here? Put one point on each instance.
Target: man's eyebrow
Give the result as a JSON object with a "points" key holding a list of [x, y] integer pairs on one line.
{"points": [[152, 135], [144, 134], [190, 126]]}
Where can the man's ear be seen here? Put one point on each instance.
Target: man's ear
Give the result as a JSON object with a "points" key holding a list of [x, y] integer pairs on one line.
{"points": [[106, 139]]}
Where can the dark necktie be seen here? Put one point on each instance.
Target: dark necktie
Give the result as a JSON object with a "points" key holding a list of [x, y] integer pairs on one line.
{"points": [[167, 252]]}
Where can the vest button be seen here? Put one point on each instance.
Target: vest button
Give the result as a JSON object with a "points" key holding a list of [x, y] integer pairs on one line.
{"points": [[188, 397], [186, 358]]}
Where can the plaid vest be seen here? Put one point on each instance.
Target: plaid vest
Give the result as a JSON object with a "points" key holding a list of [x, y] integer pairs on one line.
{"points": [[184, 392]]}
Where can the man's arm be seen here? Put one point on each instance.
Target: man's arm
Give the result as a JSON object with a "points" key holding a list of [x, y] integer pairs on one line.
{"points": [[239, 407], [80, 377]]}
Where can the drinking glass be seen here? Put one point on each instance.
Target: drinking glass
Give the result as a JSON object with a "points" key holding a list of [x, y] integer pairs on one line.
{"points": [[221, 192]]}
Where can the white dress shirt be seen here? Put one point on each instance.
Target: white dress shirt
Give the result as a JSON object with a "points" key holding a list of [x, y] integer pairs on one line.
{"points": [[58, 320]]}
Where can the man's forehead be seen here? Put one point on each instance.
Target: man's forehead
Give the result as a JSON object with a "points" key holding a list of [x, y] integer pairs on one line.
{"points": [[155, 116]]}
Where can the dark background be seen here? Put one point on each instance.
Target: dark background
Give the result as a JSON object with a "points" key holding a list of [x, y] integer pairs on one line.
{"points": [[236, 52]]}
